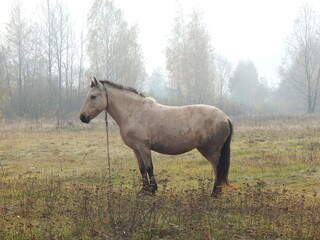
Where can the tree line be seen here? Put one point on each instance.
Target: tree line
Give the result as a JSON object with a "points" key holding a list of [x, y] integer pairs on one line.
{"points": [[45, 62], [200, 75]]}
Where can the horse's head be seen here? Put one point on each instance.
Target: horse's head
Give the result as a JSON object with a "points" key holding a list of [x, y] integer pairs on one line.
{"points": [[95, 102]]}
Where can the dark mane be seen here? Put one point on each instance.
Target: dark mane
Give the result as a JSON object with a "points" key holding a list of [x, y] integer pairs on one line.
{"points": [[121, 87]]}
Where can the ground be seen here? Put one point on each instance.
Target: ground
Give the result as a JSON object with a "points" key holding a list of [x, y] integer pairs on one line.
{"points": [[54, 184]]}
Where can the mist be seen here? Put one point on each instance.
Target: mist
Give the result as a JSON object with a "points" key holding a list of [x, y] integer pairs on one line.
{"points": [[49, 51], [142, 154]]}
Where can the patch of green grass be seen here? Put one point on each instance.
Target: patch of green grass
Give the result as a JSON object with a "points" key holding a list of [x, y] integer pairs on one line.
{"points": [[54, 185]]}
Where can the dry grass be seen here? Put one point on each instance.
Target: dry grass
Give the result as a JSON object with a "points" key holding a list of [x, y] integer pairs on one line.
{"points": [[54, 185]]}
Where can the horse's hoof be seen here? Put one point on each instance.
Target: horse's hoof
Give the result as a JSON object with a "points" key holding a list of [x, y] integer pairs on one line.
{"points": [[144, 191], [152, 191], [217, 191], [215, 195]]}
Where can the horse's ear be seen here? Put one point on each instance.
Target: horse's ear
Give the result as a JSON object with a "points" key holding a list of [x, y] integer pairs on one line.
{"points": [[92, 82], [95, 82]]}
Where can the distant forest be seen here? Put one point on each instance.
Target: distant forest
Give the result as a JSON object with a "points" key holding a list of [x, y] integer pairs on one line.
{"points": [[45, 63]]}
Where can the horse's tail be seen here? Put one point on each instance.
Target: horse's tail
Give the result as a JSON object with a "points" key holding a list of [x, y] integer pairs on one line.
{"points": [[224, 160]]}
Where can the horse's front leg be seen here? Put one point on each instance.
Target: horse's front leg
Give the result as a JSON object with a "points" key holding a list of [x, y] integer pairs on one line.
{"points": [[143, 171], [145, 154]]}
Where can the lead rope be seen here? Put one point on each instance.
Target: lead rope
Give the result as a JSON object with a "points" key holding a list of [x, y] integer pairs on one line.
{"points": [[108, 150], [110, 197], [107, 133]]}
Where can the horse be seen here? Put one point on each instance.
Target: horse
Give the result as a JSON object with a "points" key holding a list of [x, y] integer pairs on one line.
{"points": [[146, 126]]}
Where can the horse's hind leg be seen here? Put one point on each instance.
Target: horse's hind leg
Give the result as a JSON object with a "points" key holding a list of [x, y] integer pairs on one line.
{"points": [[143, 171], [212, 155]]}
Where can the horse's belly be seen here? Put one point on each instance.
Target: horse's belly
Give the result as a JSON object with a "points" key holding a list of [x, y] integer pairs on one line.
{"points": [[169, 150], [172, 147]]}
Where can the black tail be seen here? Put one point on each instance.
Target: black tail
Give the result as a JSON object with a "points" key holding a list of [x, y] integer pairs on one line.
{"points": [[224, 160]]}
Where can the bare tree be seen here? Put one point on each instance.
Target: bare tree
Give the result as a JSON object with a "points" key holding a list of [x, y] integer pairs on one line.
{"points": [[113, 49], [223, 72], [5, 75], [82, 58], [60, 49], [201, 61], [3, 93], [23, 64], [176, 54], [42, 62], [18, 37], [190, 60], [301, 66], [59, 43], [47, 17]]}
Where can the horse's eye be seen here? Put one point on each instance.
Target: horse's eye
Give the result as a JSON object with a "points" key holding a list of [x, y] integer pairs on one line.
{"points": [[93, 97]]}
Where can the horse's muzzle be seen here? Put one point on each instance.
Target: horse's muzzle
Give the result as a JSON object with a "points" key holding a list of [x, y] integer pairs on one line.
{"points": [[84, 118]]}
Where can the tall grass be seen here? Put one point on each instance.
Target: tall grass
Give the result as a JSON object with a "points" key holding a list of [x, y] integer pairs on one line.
{"points": [[53, 208], [54, 185]]}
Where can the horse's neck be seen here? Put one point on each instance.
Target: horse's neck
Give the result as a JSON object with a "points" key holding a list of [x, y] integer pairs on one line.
{"points": [[122, 104]]}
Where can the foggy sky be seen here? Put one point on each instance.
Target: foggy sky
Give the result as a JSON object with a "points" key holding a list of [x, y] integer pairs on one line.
{"points": [[246, 29]]}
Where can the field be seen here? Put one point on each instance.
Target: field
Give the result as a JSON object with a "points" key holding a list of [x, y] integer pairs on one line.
{"points": [[54, 184]]}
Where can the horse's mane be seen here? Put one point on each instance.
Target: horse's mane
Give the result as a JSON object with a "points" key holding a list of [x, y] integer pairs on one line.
{"points": [[121, 87]]}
